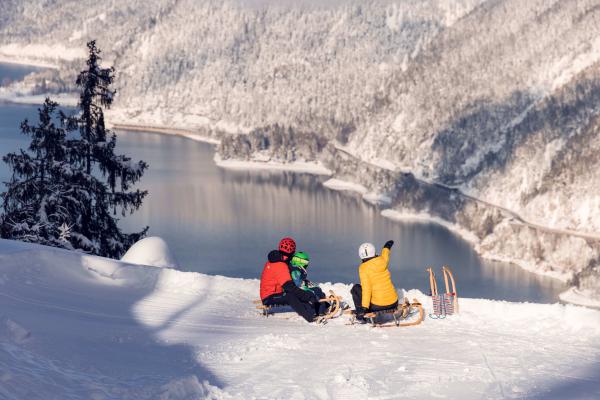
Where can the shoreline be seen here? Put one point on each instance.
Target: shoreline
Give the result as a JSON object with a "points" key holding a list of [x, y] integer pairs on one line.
{"points": [[4, 59], [425, 218], [40, 55], [297, 167], [186, 133], [64, 99], [341, 186], [315, 169]]}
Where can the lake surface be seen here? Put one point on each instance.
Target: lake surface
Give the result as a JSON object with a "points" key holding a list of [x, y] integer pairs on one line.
{"points": [[224, 222], [13, 72]]}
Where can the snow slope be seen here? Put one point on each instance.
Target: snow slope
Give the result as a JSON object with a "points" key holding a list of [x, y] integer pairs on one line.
{"points": [[74, 326], [153, 251], [494, 98]]}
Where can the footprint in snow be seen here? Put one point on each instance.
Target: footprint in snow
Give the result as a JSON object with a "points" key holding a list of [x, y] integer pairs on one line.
{"points": [[348, 386]]}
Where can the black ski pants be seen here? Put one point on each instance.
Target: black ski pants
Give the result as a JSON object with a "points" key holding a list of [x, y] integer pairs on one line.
{"points": [[305, 309]]}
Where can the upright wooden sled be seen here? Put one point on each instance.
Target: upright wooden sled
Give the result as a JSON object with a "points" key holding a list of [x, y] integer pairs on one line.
{"points": [[445, 303]]}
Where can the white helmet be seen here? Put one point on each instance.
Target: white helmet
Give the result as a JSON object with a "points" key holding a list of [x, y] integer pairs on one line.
{"points": [[366, 250]]}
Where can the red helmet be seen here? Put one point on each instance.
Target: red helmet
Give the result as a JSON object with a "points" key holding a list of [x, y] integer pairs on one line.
{"points": [[287, 245]]}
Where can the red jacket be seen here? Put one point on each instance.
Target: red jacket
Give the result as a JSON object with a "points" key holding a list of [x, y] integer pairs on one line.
{"points": [[274, 275]]}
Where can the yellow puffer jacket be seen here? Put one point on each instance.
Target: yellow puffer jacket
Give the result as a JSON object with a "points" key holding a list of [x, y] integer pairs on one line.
{"points": [[376, 281]]}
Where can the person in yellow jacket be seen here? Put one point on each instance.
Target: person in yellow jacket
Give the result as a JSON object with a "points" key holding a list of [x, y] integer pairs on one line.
{"points": [[376, 291]]}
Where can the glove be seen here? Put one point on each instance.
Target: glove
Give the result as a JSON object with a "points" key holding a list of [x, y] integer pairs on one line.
{"points": [[360, 312], [389, 244], [309, 284]]}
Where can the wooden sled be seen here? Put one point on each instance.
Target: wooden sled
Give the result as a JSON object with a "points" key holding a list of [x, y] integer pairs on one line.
{"points": [[448, 275], [332, 312], [401, 313], [446, 303], [271, 310], [335, 306]]}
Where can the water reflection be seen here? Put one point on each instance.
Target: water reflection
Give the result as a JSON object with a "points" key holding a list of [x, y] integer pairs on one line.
{"points": [[224, 222], [11, 139]]}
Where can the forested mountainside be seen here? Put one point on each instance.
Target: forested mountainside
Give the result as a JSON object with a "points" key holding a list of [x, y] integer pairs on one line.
{"points": [[484, 113]]}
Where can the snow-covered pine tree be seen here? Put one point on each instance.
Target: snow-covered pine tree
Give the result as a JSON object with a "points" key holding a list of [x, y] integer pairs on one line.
{"points": [[32, 202], [68, 186], [101, 180]]}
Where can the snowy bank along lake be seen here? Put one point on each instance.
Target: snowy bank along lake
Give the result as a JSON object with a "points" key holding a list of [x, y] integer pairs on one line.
{"points": [[224, 222], [15, 72]]}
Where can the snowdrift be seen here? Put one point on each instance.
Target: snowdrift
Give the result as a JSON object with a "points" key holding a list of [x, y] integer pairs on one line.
{"points": [[74, 326], [152, 251]]}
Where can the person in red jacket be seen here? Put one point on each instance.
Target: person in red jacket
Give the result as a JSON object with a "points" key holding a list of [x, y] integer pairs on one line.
{"points": [[277, 286]]}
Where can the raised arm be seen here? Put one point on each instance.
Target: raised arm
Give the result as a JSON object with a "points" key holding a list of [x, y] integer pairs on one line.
{"points": [[385, 252]]}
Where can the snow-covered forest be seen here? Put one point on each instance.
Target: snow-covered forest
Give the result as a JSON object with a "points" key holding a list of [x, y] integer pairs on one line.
{"points": [[482, 113]]}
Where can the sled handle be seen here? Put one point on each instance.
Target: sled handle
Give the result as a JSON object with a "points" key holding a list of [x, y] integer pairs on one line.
{"points": [[432, 282], [446, 280], [448, 274]]}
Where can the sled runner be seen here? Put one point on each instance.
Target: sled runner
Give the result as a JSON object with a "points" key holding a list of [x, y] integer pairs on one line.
{"points": [[410, 313], [333, 311], [445, 303], [270, 310], [335, 306]]}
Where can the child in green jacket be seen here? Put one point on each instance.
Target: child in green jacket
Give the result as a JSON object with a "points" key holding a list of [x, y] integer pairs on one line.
{"points": [[298, 265]]}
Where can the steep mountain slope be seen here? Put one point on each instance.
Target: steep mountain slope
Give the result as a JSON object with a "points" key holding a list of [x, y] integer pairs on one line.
{"points": [[276, 62], [503, 91], [483, 113]]}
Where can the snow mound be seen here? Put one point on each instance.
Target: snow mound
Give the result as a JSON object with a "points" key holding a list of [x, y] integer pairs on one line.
{"points": [[152, 251], [579, 297]]}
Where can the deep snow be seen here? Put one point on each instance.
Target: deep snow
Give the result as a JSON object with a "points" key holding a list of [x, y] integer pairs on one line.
{"points": [[74, 326]]}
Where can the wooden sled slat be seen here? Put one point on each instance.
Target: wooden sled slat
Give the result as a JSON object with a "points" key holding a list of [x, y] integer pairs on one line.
{"points": [[336, 305], [448, 274], [404, 324], [404, 311], [334, 308]]}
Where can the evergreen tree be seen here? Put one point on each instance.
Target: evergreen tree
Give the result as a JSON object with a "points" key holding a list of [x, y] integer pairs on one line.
{"points": [[102, 180], [66, 191], [32, 207]]}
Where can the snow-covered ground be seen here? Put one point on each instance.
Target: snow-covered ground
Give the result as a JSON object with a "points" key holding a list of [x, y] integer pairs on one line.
{"points": [[315, 168], [40, 54], [187, 133], [63, 99], [581, 297], [74, 326]]}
